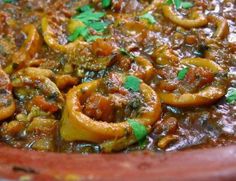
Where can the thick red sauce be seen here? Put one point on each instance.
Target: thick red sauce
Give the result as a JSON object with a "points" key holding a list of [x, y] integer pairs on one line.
{"points": [[48, 72]]}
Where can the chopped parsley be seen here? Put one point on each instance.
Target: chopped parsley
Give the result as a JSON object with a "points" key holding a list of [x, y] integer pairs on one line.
{"points": [[91, 20], [99, 26], [139, 130], [186, 5], [84, 8], [149, 17], [182, 73], [94, 37], [88, 17], [132, 83], [79, 31], [231, 95], [180, 4], [106, 3], [8, 1]]}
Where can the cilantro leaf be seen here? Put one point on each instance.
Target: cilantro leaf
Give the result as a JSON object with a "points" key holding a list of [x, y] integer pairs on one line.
{"points": [[125, 52], [88, 16], [79, 31], [90, 38], [98, 26], [106, 3], [231, 95], [179, 3], [84, 8], [143, 144], [182, 73], [149, 18], [92, 20], [186, 5], [9, 1], [132, 83], [169, 2], [139, 130]]}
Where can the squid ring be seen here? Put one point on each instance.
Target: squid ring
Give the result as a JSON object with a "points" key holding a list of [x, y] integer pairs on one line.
{"points": [[30, 46], [48, 34], [42, 75], [199, 21], [203, 97], [222, 26], [78, 126], [7, 103], [153, 5]]}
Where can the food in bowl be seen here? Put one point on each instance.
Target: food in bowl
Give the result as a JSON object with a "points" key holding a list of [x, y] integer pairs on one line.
{"points": [[117, 76]]}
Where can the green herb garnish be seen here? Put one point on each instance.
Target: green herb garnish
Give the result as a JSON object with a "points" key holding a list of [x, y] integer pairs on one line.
{"points": [[88, 16], [84, 8], [182, 73], [149, 18], [132, 83], [106, 3], [99, 26], [180, 4], [90, 38], [8, 1], [231, 95], [186, 5], [177, 3], [139, 130], [79, 31], [91, 20]]}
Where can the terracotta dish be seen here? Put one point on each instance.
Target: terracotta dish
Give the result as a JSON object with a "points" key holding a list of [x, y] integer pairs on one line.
{"points": [[207, 164]]}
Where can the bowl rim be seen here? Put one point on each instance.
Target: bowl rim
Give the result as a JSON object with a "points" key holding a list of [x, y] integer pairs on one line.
{"points": [[199, 164]]}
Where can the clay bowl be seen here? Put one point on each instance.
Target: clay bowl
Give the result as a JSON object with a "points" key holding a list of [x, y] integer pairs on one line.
{"points": [[203, 164]]}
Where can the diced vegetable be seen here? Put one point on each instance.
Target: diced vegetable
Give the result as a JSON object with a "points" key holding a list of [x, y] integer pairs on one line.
{"points": [[42, 126], [44, 105]]}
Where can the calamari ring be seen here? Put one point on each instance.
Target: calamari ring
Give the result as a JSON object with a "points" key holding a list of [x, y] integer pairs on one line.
{"points": [[222, 25], [204, 97], [78, 126], [42, 75], [73, 49], [49, 37], [199, 21], [7, 103], [153, 5], [30, 47]]}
